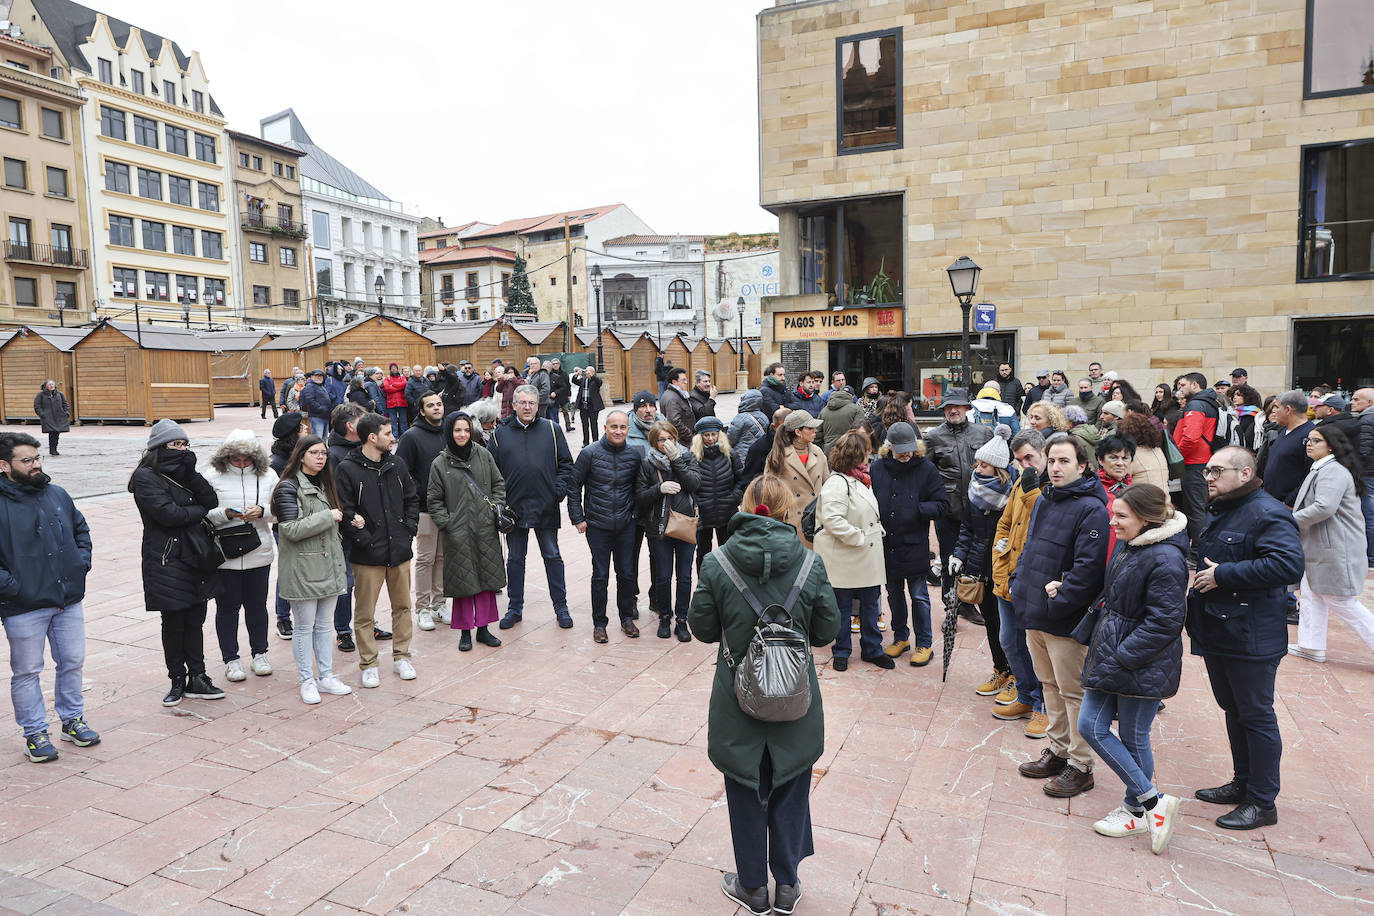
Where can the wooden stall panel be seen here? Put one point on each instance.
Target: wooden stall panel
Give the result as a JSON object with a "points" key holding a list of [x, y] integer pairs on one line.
{"points": [[639, 368], [726, 365], [234, 377], [24, 367]]}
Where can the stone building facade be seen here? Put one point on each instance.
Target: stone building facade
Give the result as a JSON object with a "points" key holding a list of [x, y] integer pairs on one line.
{"points": [[1158, 185], [272, 269]]}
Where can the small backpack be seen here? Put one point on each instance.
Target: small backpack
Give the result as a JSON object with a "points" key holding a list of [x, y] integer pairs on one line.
{"points": [[773, 680]]}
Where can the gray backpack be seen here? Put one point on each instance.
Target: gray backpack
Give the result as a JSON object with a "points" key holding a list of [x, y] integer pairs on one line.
{"points": [[773, 680]]}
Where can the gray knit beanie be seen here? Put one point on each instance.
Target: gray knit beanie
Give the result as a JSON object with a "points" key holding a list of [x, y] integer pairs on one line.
{"points": [[165, 431]]}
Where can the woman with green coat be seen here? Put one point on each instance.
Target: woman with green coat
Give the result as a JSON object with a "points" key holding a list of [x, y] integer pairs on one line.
{"points": [[474, 567], [311, 573], [767, 765]]}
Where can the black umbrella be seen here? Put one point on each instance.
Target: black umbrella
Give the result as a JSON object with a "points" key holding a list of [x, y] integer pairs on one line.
{"points": [[948, 628]]}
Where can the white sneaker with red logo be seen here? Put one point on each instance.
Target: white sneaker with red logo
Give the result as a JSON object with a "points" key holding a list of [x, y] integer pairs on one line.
{"points": [[1122, 822], [1162, 819]]}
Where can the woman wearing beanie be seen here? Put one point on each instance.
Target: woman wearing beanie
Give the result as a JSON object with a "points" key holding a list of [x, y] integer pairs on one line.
{"points": [[988, 491], [462, 479], [311, 574], [910, 496], [243, 484], [719, 495], [1135, 656], [172, 501]]}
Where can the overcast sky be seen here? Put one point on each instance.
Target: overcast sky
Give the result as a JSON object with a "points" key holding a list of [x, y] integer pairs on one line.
{"points": [[495, 110]]}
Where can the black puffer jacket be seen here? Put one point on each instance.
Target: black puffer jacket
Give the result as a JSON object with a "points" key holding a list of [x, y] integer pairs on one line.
{"points": [[719, 494], [383, 493], [774, 396], [1137, 643], [603, 485], [1067, 543], [169, 504], [537, 467], [910, 496], [653, 506]]}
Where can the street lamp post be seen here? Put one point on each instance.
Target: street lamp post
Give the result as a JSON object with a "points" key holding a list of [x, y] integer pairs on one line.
{"points": [[963, 278], [186, 310], [596, 287], [61, 301], [379, 287], [739, 307]]}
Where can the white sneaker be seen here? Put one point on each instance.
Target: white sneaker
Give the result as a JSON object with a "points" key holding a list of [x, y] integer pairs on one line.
{"points": [[261, 666], [371, 677], [334, 686], [426, 620], [1122, 823], [309, 692], [444, 614], [404, 669], [233, 671], [1161, 820], [1312, 655]]}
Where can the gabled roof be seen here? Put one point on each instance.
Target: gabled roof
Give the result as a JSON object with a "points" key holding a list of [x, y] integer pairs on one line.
{"points": [[536, 332], [455, 255], [458, 335], [71, 24], [528, 224], [224, 341], [318, 164], [653, 239], [629, 340], [585, 335], [304, 340], [157, 336], [61, 338], [449, 230]]}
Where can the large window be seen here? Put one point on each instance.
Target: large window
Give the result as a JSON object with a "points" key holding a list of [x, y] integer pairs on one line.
{"points": [[117, 177], [66, 294], [257, 252], [1340, 48], [145, 131], [176, 140], [121, 231], [320, 224], [679, 295], [288, 256], [187, 288], [113, 123], [205, 148], [125, 282], [211, 244], [868, 76], [21, 238], [214, 291], [291, 298], [16, 173], [1337, 212], [57, 181], [154, 236], [1333, 351], [26, 292], [853, 251], [53, 124], [209, 196], [179, 190], [324, 276], [262, 295], [155, 286], [925, 366], [10, 113], [627, 298], [150, 184], [183, 240]]}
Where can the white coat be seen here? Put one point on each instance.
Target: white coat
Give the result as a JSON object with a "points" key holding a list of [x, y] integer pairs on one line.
{"points": [[242, 488], [1331, 526], [850, 539]]}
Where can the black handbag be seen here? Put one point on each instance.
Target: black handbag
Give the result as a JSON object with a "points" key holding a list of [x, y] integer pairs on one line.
{"points": [[503, 515], [242, 539]]}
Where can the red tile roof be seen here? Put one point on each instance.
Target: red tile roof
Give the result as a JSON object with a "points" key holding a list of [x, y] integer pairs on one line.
{"points": [[446, 230], [529, 224], [456, 255]]}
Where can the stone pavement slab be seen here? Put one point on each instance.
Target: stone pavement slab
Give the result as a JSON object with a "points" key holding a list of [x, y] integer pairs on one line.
{"points": [[553, 775]]}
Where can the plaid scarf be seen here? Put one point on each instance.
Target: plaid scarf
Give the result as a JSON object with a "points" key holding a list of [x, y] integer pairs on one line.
{"points": [[988, 493]]}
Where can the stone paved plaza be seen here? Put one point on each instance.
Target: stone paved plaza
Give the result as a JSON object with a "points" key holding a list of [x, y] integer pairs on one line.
{"points": [[554, 776]]}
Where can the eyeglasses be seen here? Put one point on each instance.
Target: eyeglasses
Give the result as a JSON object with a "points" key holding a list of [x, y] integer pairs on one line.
{"points": [[179, 444], [318, 452], [1212, 473], [26, 461]]}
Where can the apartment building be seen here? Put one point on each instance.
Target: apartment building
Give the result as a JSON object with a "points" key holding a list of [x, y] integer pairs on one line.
{"points": [[272, 268], [464, 284]]}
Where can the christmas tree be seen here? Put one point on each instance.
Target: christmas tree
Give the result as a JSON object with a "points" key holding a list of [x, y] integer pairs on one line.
{"points": [[521, 300]]}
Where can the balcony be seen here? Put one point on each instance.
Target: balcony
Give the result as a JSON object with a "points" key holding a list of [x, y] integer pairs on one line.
{"points": [[473, 293], [73, 258], [258, 221]]}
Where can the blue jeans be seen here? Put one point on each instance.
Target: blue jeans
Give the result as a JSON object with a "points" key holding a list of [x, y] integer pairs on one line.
{"points": [[551, 412], [517, 548], [668, 556], [1129, 756], [606, 545], [920, 609], [320, 427], [397, 415], [1367, 506], [64, 628], [870, 606], [1013, 639], [312, 638]]}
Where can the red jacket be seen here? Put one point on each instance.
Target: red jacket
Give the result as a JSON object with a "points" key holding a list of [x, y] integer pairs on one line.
{"points": [[1197, 427], [394, 386]]}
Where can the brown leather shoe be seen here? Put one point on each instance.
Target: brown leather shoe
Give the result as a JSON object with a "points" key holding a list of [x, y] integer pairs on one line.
{"points": [[629, 629], [1048, 765], [598, 634], [1069, 783]]}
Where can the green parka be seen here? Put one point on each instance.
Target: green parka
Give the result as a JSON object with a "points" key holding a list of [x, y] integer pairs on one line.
{"points": [[768, 556], [473, 562], [312, 560]]}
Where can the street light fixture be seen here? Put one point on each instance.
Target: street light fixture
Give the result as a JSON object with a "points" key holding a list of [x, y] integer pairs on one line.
{"points": [[596, 287], [186, 310], [379, 287], [61, 301], [963, 279], [739, 307]]}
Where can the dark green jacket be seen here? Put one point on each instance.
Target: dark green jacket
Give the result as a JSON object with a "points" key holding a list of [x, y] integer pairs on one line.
{"points": [[473, 562], [768, 556], [312, 558]]}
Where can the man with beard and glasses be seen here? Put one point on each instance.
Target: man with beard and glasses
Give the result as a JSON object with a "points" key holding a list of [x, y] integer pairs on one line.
{"points": [[45, 554]]}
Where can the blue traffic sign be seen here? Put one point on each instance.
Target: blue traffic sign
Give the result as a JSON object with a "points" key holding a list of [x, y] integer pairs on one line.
{"points": [[984, 317]]}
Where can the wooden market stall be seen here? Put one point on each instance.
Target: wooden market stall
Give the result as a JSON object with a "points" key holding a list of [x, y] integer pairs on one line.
{"points": [[541, 337], [235, 366], [674, 350], [725, 363], [29, 356], [754, 360], [639, 363], [378, 340], [143, 373], [699, 358], [454, 343]]}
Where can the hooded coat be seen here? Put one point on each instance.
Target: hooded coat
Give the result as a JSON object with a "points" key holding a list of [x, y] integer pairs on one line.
{"points": [[749, 423], [775, 394], [418, 448], [45, 548], [54, 413], [1137, 643], [473, 562], [910, 496], [169, 504], [384, 495], [1067, 542], [837, 417], [768, 556], [336, 383]]}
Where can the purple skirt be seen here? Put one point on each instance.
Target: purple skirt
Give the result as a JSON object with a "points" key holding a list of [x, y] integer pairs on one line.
{"points": [[474, 611]]}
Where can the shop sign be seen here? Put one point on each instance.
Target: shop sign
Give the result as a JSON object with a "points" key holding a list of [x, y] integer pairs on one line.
{"points": [[841, 324]]}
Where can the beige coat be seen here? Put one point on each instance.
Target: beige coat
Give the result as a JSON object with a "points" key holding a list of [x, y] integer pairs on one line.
{"points": [[1150, 466], [850, 539], [804, 480]]}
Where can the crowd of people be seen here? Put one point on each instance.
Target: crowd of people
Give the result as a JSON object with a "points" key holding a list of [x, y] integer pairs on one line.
{"points": [[1084, 529]]}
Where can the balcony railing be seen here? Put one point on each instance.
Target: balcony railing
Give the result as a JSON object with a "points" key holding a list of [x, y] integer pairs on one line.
{"points": [[75, 258], [473, 294], [276, 225]]}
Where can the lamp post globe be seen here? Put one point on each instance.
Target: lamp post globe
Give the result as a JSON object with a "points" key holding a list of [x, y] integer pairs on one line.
{"points": [[739, 307], [61, 300], [379, 287], [963, 279], [595, 274]]}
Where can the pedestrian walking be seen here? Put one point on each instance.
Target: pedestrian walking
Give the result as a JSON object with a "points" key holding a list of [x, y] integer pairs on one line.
{"points": [[767, 765], [849, 538], [1248, 552], [178, 576], [463, 488], [45, 556], [532, 455], [54, 413], [667, 482], [267, 390], [243, 482], [718, 498], [311, 573], [910, 497], [1135, 656], [1331, 525], [381, 514], [416, 451]]}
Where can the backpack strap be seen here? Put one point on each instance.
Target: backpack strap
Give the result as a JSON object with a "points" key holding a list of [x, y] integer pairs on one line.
{"points": [[798, 585], [749, 596]]}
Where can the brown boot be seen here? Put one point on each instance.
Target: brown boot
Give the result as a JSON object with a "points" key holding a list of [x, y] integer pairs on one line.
{"points": [[1048, 765], [1069, 783]]}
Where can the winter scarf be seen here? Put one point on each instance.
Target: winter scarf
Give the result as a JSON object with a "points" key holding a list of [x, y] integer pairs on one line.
{"points": [[1111, 484], [860, 474], [988, 493], [659, 460]]}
